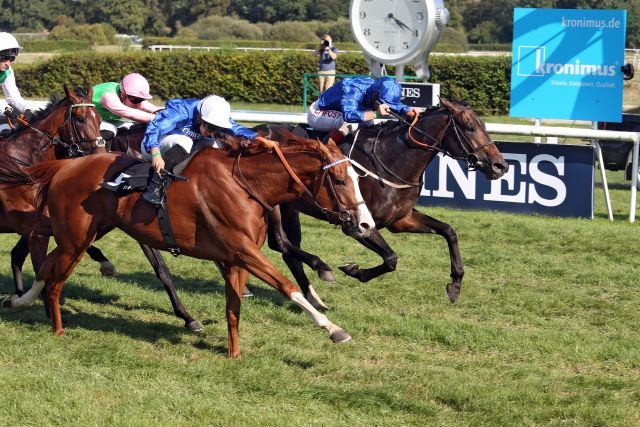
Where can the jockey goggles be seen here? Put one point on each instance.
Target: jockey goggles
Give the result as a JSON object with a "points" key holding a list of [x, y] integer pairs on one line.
{"points": [[135, 99]]}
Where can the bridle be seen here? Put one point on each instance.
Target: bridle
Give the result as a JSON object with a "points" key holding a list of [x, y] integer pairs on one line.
{"points": [[73, 147], [339, 211], [461, 139]]}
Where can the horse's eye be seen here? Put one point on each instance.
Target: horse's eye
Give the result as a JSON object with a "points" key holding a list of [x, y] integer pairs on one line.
{"points": [[340, 182]]}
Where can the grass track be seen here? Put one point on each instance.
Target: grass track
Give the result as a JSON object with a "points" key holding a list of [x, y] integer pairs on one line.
{"points": [[545, 333]]}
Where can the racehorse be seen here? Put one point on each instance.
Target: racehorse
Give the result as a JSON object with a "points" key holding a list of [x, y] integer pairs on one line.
{"points": [[67, 127], [391, 159], [217, 214]]}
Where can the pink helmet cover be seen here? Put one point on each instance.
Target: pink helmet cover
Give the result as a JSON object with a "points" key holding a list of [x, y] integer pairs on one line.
{"points": [[134, 84]]}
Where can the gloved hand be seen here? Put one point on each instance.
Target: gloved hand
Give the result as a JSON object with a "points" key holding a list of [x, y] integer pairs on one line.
{"points": [[411, 114], [28, 115], [11, 112]]}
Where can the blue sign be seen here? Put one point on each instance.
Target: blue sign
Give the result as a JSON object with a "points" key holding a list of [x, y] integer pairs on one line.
{"points": [[566, 64], [548, 179]]}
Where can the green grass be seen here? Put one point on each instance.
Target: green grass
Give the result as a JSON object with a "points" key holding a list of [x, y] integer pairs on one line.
{"points": [[545, 333]]}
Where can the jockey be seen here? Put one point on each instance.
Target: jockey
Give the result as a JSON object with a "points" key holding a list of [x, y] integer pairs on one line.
{"points": [[9, 49], [171, 134], [355, 100], [118, 102]]}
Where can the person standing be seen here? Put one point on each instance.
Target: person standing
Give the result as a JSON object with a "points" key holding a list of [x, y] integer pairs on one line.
{"points": [[328, 54]]}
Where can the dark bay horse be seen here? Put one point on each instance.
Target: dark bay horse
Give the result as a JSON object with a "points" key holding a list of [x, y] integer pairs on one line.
{"points": [[67, 127], [218, 214], [392, 159]]}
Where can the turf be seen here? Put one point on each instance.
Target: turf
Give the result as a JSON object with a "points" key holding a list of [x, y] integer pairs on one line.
{"points": [[545, 333]]}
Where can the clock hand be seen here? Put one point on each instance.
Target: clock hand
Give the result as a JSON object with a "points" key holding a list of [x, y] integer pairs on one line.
{"points": [[399, 22]]}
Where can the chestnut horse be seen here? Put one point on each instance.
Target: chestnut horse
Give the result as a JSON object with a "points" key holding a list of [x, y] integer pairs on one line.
{"points": [[67, 127], [391, 159], [21, 249], [218, 214]]}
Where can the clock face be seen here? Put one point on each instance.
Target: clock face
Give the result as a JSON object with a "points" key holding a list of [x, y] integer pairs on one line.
{"points": [[390, 30]]}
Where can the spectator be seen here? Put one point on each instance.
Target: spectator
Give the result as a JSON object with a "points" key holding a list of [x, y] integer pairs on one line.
{"points": [[328, 54]]}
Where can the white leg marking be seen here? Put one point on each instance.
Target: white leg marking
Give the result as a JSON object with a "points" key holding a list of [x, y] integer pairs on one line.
{"points": [[315, 299], [27, 299], [319, 318], [364, 216]]}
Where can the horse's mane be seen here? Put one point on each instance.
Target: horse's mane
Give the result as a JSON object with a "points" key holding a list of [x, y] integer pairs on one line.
{"points": [[287, 141], [54, 100]]}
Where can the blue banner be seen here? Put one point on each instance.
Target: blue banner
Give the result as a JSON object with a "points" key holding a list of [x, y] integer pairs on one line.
{"points": [[566, 64], [548, 179]]}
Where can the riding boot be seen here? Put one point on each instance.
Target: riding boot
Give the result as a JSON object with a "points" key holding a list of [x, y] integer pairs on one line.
{"points": [[157, 187], [108, 137], [334, 136]]}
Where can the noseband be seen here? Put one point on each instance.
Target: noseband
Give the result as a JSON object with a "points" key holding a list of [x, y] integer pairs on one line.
{"points": [[460, 137], [73, 147], [341, 212]]}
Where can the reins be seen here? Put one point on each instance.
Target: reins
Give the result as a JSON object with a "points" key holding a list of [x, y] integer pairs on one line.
{"points": [[342, 213], [463, 142]]}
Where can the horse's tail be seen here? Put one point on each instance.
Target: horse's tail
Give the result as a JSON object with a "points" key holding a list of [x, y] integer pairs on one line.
{"points": [[42, 174], [14, 171]]}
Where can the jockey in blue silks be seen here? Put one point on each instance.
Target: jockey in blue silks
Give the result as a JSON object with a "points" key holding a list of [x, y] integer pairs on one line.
{"points": [[170, 135], [355, 100]]}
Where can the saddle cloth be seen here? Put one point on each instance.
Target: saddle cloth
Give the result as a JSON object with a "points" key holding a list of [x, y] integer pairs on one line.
{"points": [[133, 178]]}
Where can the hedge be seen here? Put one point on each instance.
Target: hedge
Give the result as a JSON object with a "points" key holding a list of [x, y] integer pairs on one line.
{"points": [[55, 45], [257, 77]]}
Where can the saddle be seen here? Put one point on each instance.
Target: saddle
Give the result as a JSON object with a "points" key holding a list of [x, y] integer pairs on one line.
{"points": [[136, 178]]}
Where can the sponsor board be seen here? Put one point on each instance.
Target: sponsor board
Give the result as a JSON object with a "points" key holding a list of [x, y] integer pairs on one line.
{"points": [[554, 180], [566, 64], [420, 95]]}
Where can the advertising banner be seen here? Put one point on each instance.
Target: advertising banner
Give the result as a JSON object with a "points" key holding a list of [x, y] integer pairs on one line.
{"points": [[549, 179], [421, 95], [566, 64]]}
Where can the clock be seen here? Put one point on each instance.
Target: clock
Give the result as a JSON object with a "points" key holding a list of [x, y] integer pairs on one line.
{"points": [[397, 32]]}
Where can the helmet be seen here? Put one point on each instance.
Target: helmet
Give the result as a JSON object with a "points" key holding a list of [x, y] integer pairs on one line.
{"points": [[136, 85], [8, 44], [216, 111], [387, 91]]}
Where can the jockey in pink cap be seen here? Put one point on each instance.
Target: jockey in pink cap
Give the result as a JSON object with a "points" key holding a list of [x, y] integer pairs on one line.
{"points": [[119, 104]]}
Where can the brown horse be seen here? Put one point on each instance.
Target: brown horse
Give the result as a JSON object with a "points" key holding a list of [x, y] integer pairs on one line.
{"points": [[67, 127], [391, 159], [218, 214]]}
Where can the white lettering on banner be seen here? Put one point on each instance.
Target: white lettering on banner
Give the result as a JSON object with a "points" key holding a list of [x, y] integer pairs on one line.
{"points": [[467, 183], [518, 167], [496, 195], [549, 180], [411, 92]]}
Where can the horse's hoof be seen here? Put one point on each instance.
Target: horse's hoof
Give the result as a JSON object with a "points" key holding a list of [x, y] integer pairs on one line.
{"points": [[194, 326], [453, 292], [340, 336], [246, 293], [8, 301], [108, 270], [350, 268], [327, 275]]}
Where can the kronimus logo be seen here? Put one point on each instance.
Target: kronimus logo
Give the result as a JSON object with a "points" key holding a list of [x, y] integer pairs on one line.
{"points": [[532, 63]]}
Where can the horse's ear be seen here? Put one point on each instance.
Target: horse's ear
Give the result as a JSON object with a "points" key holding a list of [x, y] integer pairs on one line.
{"points": [[330, 141], [71, 94], [324, 150], [447, 104], [89, 90]]}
